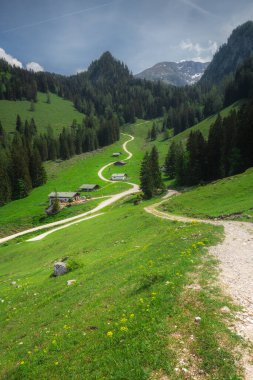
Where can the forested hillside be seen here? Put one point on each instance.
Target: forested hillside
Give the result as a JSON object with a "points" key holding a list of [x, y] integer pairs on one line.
{"points": [[230, 55], [108, 95]]}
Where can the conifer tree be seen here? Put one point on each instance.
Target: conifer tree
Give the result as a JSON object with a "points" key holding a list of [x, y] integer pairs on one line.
{"points": [[170, 161], [197, 161], [19, 124], [155, 170], [146, 178], [153, 132]]}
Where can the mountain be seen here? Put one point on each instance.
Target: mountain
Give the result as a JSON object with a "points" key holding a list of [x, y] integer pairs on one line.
{"points": [[232, 54], [175, 73]]}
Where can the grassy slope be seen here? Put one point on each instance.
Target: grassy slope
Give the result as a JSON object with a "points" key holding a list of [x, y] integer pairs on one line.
{"points": [[226, 197], [140, 145], [69, 175], [204, 125], [60, 113], [131, 276], [64, 176]]}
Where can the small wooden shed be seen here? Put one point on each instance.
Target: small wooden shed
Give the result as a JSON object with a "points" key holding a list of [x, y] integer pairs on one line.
{"points": [[63, 196], [88, 187], [119, 163]]}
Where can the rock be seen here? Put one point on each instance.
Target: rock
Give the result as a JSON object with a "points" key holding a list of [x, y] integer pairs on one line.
{"points": [[13, 283], [225, 310], [71, 282], [60, 268], [197, 319]]}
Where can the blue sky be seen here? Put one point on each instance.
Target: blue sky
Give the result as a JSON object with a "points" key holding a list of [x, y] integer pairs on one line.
{"points": [[64, 36]]}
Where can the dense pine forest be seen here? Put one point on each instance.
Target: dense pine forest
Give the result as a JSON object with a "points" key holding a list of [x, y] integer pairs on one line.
{"points": [[22, 154], [109, 96], [227, 151]]}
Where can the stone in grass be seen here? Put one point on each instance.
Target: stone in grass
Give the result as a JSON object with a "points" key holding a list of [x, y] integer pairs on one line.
{"points": [[197, 319], [60, 268], [225, 310], [71, 282]]}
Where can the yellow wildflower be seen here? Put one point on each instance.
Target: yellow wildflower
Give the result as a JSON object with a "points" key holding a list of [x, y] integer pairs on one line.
{"points": [[56, 363], [132, 315], [123, 320], [22, 362], [109, 334], [123, 329]]}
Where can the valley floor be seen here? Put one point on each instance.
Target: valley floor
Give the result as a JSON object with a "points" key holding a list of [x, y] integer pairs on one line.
{"points": [[141, 283]]}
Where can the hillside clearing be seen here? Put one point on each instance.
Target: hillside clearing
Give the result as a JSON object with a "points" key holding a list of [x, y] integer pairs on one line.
{"points": [[58, 114], [228, 198]]}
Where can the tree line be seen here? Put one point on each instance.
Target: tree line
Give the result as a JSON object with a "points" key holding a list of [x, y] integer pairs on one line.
{"points": [[150, 175], [23, 153], [227, 151]]}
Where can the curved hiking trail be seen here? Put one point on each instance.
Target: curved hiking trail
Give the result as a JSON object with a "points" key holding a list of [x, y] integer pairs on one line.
{"points": [[64, 223], [235, 255]]}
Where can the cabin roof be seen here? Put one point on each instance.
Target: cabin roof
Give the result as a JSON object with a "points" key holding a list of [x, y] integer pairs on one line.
{"points": [[119, 175], [89, 186], [67, 194], [119, 163]]}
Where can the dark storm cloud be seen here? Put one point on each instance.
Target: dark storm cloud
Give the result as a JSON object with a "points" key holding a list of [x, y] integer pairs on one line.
{"points": [[66, 35]]}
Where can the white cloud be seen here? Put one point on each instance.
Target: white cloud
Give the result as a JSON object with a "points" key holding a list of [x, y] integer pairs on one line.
{"points": [[81, 70], [203, 54], [11, 60], [34, 66]]}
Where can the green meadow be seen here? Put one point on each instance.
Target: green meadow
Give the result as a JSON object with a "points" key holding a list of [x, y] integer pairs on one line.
{"points": [[128, 316], [62, 176], [228, 198], [69, 175], [131, 312], [58, 114]]}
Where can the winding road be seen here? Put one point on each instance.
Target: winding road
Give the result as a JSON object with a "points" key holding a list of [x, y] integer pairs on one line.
{"points": [[81, 217], [235, 255], [235, 252]]}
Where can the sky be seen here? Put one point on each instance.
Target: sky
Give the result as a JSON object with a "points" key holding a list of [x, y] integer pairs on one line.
{"points": [[65, 36]]}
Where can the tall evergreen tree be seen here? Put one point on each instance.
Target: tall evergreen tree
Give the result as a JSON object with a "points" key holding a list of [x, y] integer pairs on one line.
{"points": [[155, 170], [214, 149], [146, 177], [197, 162], [170, 160]]}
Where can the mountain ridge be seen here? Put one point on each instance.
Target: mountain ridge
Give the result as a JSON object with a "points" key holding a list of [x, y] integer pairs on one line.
{"points": [[175, 73]]}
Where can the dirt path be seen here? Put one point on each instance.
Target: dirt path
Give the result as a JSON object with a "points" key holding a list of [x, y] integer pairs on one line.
{"points": [[235, 255], [81, 217]]}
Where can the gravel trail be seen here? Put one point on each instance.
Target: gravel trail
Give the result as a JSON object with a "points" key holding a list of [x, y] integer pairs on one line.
{"points": [[235, 255]]}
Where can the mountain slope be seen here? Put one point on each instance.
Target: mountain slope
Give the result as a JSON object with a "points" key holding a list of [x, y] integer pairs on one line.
{"points": [[175, 73], [58, 114], [238, 48]]}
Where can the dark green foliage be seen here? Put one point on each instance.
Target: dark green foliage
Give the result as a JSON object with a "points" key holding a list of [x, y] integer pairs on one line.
{"points": [[230, 55], [155, 170], [197, 161], [228, 150], [56, 205], [242, 85], [153, 132], [214, 149], [170, 160], [5, 180], [37, 171], [20, 175], [146, 178], [150, 175]]}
